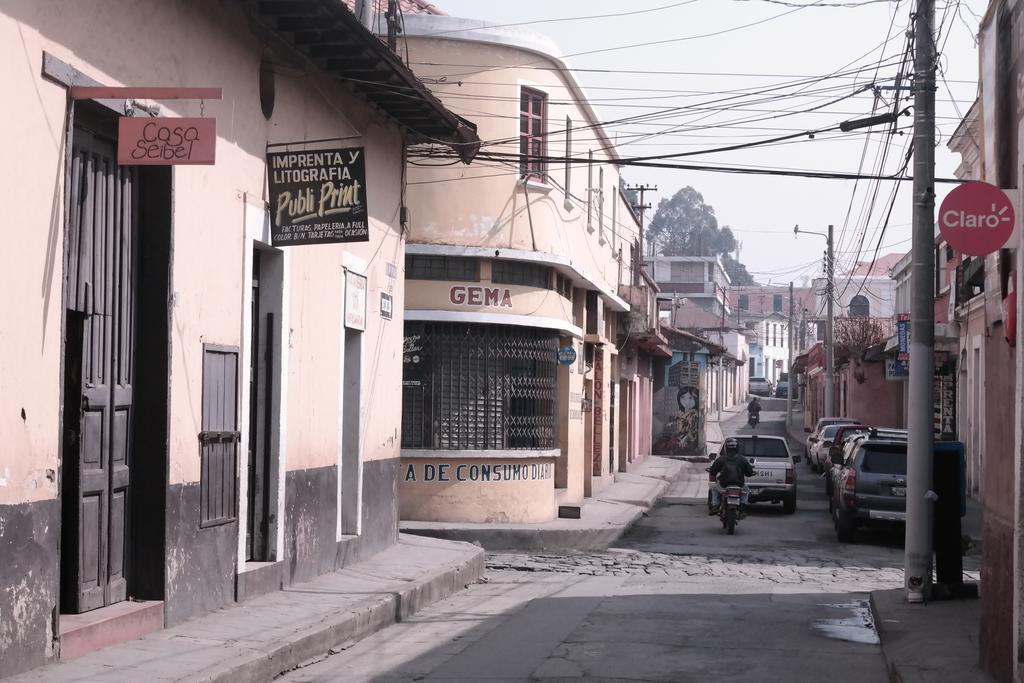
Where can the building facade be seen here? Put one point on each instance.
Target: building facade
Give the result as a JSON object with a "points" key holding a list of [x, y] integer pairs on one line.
{"points": [[700, 279], [984, 290], [198, 414], [518, 369]]}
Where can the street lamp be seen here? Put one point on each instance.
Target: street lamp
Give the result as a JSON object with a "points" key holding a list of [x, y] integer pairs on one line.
{"points": [[829, 293]]}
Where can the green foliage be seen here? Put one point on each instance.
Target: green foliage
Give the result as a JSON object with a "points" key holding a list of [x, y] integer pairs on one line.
{"points": [[684, 225], [738, 275]]}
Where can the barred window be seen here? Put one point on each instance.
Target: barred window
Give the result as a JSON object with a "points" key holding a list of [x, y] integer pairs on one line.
{"points": [[422, 267], [519, 273], [469, 387]]}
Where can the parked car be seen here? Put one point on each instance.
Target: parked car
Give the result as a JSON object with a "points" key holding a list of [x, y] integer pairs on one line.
{"points": [[844, 441], [774, 471], [814, 435], [820, 449], [782, 389], [871, 486], [759, 386], [844, 434]]}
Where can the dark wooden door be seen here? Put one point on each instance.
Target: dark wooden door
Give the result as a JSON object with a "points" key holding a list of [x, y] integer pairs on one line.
{"points": [[100, 295], [260, 387]]}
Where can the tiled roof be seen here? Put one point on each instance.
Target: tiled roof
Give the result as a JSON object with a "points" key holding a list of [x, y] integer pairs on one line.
{"points": [[406, 7], [880, 268]]}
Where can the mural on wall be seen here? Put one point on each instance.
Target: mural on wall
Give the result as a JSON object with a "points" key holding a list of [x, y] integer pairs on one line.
{"points": [[679, 412]]}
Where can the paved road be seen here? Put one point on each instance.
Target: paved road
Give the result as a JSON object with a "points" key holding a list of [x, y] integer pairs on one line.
{"points": [[677, 600]]}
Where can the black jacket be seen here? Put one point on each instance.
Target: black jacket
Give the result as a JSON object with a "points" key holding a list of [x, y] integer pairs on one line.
{"points": [[732, 469]]}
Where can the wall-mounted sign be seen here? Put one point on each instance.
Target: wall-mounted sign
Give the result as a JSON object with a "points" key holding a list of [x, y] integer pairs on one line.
{"points": [[473, 295], [896, 370], [483, 473], [355, 301], [566, 355], [318, 197], [387, 305], [145, 141], [976, 218]]}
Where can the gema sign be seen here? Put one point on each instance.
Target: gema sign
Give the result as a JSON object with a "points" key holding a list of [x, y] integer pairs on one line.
{"points": [[976, 218]]}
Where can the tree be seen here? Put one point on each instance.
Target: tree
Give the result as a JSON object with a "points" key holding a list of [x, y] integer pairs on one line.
{"points": [[738, 275], [685, 225], [853, 336]]}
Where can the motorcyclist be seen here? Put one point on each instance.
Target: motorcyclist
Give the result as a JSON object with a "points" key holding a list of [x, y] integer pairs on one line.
{"points": [[754, 409], [730, 469]]}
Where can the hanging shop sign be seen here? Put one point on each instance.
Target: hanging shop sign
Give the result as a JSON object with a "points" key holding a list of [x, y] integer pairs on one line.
{"points": [[944, 405], [318, 197], [976, 218], [387, 306], [355, 301], [472, 295], [566, 355], [144, 141]]}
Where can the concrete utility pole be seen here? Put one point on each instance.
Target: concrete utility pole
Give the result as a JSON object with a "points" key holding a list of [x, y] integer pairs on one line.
{"points": [[918, 545], [789, 365], [392, 19], [830, 357], [364, 10], [640, 207], [830, 361]]}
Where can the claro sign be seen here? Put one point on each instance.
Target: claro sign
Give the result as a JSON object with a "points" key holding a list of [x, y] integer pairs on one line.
{"points": [[474, 295], [976, 218]]}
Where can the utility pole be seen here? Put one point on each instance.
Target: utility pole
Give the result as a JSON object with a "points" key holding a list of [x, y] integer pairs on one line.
{"points": [[830, 360], [640, 207], [918, 542], [364, 11], [789, 366], [830, 287], [392, 19]]}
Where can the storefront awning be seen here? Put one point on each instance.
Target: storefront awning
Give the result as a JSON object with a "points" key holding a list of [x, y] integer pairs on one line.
{"points": [[330, 36]]}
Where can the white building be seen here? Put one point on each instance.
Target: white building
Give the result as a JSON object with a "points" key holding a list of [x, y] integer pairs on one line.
{"points": [[701, 279]]}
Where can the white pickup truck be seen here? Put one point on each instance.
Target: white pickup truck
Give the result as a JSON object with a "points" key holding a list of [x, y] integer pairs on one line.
{"points": [[774, 473]]}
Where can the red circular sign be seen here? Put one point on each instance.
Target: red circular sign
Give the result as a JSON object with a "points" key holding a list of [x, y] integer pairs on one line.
{"points": [[976, 218]]}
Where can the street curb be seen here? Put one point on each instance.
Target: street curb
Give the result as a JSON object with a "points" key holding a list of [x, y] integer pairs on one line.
{"points": [[317, 642], [519, 538], [591, 539], [890, 663]]}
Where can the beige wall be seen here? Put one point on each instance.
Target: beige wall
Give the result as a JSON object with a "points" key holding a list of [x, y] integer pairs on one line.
{"points": [[491, 207], [543, 303], [492, 497], [208, 236]]}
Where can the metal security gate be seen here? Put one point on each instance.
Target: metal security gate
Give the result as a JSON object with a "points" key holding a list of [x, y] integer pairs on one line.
{"points": [[469, 387], [99, 348]]}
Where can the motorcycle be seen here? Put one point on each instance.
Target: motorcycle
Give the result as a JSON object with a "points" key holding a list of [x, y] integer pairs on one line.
{"points": [[729, 510], [729, 504], [753, 419]]}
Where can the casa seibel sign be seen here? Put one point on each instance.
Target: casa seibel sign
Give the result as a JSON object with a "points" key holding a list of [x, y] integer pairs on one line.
{"points": [[318, 197]]}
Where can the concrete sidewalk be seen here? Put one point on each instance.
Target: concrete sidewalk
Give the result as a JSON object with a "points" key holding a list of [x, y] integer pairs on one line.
{"points": [[261, 638], [937, 641], [603, 519], [714, 433]]}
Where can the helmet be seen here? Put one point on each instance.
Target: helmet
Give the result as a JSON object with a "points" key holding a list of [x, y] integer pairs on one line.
{"points": [[731, 445]]}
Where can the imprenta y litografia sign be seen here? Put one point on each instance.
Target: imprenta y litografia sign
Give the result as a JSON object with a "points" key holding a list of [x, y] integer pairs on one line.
{"points": [[318, 197]]}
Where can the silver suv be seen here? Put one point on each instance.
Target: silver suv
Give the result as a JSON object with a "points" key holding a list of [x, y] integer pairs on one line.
{"points": [[871, 486]]}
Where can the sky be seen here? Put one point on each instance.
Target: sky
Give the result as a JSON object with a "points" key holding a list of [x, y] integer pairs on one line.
{"points": [[716, 47]]}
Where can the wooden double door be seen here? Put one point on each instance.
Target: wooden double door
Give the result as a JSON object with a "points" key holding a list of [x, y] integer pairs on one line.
{"points": [[99, 355]]}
